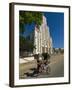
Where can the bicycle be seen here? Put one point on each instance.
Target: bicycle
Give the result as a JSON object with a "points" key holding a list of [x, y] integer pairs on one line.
{"points": [[44, 67]]}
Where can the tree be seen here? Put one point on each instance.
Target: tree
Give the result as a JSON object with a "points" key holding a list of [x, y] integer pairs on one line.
{"points": [[28, 18], [22, 42], [46, 56], [60, 50]]}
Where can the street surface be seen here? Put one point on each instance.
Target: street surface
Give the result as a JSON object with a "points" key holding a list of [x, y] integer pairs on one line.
{"points": [[56, 66]]}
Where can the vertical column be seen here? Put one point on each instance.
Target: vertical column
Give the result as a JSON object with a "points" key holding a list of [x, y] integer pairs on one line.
{"points": [[41, 38]]}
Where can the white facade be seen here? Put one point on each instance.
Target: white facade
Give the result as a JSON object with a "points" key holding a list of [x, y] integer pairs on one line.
{"points": [[42, 38]]}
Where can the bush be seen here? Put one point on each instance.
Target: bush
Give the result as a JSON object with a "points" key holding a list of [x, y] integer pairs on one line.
{"points": [[36, 56], [46, 56]]}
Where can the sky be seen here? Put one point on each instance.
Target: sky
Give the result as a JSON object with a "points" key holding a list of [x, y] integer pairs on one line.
{"points": [[55, 21]]}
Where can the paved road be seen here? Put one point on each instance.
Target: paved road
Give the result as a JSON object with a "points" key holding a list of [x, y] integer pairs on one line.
{"points": [[56, 65], [57, 68]]}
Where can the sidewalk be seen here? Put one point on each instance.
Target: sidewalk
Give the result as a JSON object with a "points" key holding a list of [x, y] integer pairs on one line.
{"points": [[26, 60]]}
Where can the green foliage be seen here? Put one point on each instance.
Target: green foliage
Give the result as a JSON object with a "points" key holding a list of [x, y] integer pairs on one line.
{"points": [[61, 50], [30, 46], [29, 17], [22, 41], [46, 56], [21, 28], [26, 44]]}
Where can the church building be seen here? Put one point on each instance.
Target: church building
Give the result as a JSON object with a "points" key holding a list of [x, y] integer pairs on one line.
{"points": [[42, 38]]}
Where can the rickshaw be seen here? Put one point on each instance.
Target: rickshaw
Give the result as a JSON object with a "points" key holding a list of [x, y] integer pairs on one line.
{"points": [[43, 63]]}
